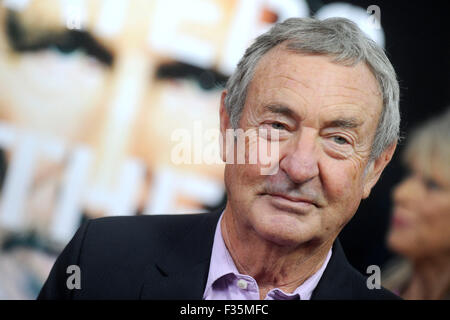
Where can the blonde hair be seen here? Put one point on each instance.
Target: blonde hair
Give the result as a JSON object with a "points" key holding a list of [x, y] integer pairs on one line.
{"points": [[429, 146]]}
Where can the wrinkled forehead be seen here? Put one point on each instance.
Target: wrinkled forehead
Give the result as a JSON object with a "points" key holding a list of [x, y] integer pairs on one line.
{"points": [[280, 61], [316, 78]]}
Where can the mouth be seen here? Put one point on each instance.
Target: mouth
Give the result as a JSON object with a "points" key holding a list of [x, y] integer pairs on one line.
{"points": [[399, 222], [285, 201], [398, 219]]}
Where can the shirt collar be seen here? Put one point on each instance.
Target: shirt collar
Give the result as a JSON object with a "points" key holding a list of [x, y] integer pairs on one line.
{"points": [[222, 264]]}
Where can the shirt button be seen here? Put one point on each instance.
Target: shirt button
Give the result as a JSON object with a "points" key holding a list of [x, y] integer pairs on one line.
{"points": [[242, 284]]}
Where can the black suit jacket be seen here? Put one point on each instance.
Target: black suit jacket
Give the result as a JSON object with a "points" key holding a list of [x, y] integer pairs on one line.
{"points": [[167, 257]]}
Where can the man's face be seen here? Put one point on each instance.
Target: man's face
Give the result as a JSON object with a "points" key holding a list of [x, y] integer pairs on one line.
{"points": [[326, 116]]}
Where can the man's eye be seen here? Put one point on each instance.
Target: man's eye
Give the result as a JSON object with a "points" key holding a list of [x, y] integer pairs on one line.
{"points": [[339, 140], [278, 126]]}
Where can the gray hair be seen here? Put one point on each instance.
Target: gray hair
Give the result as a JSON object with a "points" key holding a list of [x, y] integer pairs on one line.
{"points": [[338, 38]]}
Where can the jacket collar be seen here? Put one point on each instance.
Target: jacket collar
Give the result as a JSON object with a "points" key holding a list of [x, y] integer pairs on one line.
{"points": [[336, 281], [182, 271]]}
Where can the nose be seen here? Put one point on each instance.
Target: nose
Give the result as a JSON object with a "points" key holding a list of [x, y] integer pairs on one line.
{"points": [[300, 159], [406, 192]]}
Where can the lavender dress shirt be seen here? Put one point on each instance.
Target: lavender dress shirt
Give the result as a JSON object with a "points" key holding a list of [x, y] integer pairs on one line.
{"points": [[226, 283]]}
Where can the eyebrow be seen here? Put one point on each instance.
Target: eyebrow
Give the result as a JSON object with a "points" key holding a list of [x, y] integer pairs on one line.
{"points": [[208, 79], [23, 40], [342, 122], [281, 109], [347, 123]]}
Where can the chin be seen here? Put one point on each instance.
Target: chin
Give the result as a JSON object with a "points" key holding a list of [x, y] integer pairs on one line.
{"points": [[400, 243]]}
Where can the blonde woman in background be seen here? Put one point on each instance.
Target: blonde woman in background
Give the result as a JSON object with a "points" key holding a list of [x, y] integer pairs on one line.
{"points": [[420, 228]]}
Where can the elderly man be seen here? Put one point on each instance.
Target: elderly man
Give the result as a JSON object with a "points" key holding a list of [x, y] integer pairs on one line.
{"points": [[327, 97]]}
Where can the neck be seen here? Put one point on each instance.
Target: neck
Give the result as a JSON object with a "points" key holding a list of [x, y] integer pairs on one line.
{"points": [[430, 277], [272, 265]]}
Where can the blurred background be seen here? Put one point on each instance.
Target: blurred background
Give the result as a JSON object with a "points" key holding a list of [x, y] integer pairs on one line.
{"points": [[92, 92]]}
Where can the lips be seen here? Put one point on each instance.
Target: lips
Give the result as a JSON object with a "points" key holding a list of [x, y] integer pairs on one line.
{"points": [[294, 200], [398, 219], [399, 222]]}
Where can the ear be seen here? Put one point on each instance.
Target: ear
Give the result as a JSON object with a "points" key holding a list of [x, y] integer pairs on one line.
{"points": [[225, 124], [375, 169]]}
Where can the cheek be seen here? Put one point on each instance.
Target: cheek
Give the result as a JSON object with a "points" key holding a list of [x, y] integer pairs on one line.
{"points": [[342, 180], [56, 105], [406, 241], [242, 180], [342, 188], [246, 180]]}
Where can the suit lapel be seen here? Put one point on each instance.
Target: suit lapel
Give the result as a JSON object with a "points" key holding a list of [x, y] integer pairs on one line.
{"points": [[336, 282], [181, 272]]}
